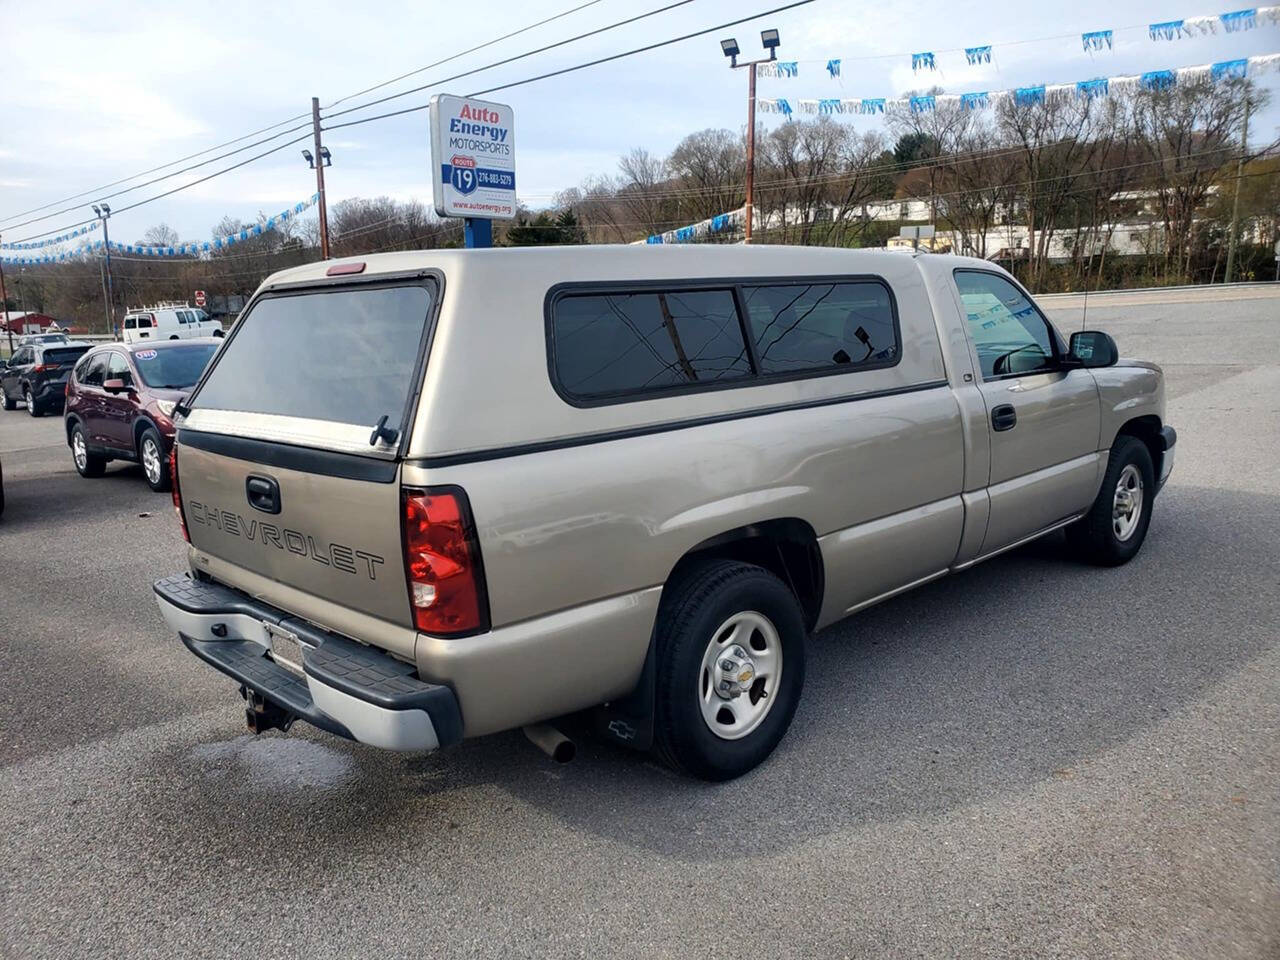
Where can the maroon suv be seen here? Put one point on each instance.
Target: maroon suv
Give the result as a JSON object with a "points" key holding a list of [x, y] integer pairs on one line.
{"points": [[120, 403]]}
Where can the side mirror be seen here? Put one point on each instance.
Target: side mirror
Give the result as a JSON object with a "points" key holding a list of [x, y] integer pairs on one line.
{"points": [[114, 386], [1092, 348]]}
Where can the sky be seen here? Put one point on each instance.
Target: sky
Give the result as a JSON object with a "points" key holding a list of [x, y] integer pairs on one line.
{"points": [[93, 92]]}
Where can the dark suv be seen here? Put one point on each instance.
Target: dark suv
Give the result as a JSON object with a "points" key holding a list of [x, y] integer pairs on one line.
{"points": [[36, 374], [120, 403]]}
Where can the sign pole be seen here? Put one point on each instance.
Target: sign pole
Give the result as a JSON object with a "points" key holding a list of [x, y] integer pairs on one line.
{"points": [[477, 232]]}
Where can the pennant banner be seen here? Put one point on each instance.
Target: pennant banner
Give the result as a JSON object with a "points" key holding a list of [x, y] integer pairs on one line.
{"points": [[703, 228], [1092, 42], [779, 68], [40, 244], [1096, 40], [1029, 96], [178, 250]]}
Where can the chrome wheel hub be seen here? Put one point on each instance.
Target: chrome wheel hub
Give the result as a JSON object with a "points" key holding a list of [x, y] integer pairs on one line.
{"points": [[1126, 505], [78, 451], [151, 461], [741, 669]]}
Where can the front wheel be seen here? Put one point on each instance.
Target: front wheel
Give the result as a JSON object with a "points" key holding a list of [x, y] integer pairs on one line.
{"points": [[731, 640], [1113, 530], [9, 402], [151, 454]]}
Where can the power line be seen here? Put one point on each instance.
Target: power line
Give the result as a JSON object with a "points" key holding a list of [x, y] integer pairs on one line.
{"points": [[95, 191], [512, 59], [479, 46], [572, 69], [167, 176], [185, 186], [113, 183]]}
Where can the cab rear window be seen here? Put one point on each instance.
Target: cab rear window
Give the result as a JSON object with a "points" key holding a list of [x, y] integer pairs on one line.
{"points": [[342, 355]]}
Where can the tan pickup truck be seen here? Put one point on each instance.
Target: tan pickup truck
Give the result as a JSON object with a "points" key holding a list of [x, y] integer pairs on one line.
{"points": [[440, 494]]}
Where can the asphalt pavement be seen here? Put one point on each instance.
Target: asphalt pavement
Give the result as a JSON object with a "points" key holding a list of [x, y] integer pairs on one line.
{"points": [[1030, 759]]}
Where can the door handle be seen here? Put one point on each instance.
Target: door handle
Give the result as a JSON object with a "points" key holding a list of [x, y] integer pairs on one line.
{"points": [[263, 494], [1004, 417]]}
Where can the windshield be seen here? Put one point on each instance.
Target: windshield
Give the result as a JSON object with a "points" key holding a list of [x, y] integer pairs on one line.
{"points": [[343, 355], [174, 368]]}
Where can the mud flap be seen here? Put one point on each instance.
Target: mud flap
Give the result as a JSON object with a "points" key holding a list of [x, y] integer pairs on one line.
{"points": [[629, 721]]}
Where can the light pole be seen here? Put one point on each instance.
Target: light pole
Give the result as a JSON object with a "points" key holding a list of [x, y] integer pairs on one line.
{"points": [[103, 213], [4, 309], [321, 160], [769, 40]]}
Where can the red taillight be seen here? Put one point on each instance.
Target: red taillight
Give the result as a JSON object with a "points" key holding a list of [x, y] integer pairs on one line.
{"points": [[442, 563], [177, 495], [42, 367]]}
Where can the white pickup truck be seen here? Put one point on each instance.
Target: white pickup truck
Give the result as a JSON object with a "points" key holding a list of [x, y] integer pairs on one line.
{"points": [[438, 494]]}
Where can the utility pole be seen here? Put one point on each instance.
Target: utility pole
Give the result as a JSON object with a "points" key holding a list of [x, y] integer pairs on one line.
{"points": [[1235, 203], [103, 213], [769, 40], [4, 308], [319, 165]]}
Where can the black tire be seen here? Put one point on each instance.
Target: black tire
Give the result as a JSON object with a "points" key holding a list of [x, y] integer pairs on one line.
{"points": [[1094, 537], [218, 334], [151, 435], [33, 409], [692, 610], [94, 465], [9, 402]]}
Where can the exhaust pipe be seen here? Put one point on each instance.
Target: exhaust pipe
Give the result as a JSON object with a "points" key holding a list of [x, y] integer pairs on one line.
{"points": [[551, 742]]}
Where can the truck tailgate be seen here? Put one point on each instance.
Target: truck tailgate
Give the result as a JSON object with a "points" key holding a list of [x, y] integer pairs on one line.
{"points": [[333, 537]]}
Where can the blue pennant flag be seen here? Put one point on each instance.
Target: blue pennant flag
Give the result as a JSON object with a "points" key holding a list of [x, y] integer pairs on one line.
{"points": [[784, 107], [719, 222], [1158, 79], [1026, 96], [872, 105], [1166, 30], [977, 54], [1096, 40], [1239, 20], [1088, 89], [923, 61], [974, 101], [789, 69], [923, 104], [830, 105], [833, 68], [1229, 70], [653, 239]]}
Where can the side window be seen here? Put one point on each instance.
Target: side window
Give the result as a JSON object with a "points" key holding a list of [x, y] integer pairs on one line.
{"points": [[82, 367], [118, 369], [144, 322], [95, 371], [20, 356], [186, 316], [1008, 331], [619, 343], [130, 323], [811, 326]]}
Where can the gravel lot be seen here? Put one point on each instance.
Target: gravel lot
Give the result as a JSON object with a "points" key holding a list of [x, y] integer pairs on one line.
{"points": [[1032, 758]]}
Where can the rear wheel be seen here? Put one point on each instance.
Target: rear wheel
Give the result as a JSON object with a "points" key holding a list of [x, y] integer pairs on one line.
{"points": [[32, 409], [730, 669], [151, 456], [87, 464], [1113, 530]]}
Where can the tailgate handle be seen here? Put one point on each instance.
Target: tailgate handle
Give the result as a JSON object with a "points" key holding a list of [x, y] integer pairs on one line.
{"points": [[263, 494]]}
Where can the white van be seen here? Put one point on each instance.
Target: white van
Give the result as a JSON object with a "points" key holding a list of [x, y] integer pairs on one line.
{"points": [[168, 322]]}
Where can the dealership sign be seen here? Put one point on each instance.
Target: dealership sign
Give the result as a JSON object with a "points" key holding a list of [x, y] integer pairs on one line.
{"points": [[473, 158]]}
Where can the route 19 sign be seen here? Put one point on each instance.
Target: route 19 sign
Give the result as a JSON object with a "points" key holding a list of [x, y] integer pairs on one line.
{"points": [[473, 158]]}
